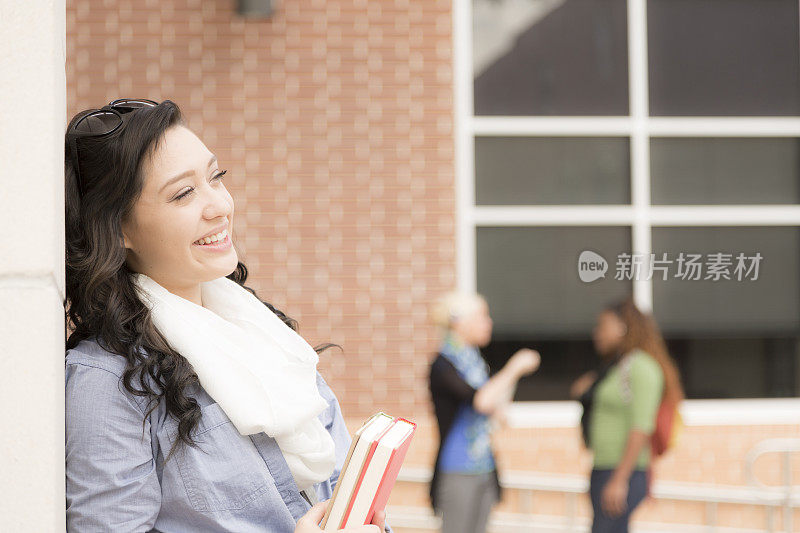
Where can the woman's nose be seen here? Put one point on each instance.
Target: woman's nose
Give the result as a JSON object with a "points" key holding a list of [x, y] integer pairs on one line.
{"points": [[218, 203]]}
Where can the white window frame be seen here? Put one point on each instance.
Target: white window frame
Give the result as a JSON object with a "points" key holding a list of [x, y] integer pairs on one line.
{"points": [[640, 215]]}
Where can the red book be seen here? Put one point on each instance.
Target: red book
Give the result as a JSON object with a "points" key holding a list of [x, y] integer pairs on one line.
{"points": [[392, 470], [362, 446], [379, 473]]}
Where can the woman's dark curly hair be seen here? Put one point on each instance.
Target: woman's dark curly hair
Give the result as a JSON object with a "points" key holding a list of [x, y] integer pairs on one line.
{"points": [[101, 298]]}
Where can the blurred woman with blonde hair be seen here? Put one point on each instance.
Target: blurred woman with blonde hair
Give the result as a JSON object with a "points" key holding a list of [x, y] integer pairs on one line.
{"points": [[465, 483]]}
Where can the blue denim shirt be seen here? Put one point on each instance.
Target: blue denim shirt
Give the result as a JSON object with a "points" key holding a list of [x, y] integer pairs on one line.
{"points": [[117, 480]]}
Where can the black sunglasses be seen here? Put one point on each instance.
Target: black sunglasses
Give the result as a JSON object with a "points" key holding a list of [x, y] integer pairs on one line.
{"points": [[98, 123]]}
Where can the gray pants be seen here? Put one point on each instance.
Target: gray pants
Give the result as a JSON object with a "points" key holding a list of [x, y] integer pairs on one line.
{"points": [[465, 501]]}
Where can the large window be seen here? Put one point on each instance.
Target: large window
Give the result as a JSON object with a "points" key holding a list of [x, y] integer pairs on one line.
{"points": [[627, 128]]}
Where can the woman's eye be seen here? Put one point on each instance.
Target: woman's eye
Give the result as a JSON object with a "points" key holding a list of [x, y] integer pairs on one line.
{"points": [[184, 194], [190, 189]]}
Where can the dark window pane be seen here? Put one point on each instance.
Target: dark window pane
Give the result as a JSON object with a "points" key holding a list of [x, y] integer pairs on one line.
{"points": [[734, 338], [724, 170], [552, 170], [711, 367], [723, 57], [550, 57], [529, 277], [767, 306], [733, 366], [563, 360]]}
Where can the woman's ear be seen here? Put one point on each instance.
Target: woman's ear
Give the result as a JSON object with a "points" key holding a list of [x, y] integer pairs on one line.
{"points": [[126, 242]]}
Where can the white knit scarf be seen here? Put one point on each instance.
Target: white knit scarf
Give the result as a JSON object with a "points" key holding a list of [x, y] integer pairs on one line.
{"points": [[260, 372]]}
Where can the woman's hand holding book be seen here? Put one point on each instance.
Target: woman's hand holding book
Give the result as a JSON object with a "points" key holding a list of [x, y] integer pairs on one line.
{"points": [[308, 523]]}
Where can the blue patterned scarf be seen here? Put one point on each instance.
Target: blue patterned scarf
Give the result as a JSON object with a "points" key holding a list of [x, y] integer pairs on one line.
{"points": [[467, 447], [467, 360]]}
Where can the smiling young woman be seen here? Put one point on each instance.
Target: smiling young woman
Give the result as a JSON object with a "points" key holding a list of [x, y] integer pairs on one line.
{"points": [[191, 404]]}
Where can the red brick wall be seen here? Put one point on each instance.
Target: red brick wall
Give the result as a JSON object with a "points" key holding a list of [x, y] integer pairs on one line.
{"points": [[335, 121]]}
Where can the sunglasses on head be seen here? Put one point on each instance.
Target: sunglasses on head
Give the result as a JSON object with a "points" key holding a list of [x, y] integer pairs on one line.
{"points": [[98, 123]]}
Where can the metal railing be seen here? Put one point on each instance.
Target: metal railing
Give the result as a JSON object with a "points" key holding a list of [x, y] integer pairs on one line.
{"points": [[783, 498], [788, 491]]}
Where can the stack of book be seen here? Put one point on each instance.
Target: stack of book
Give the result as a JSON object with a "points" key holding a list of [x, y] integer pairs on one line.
{"points": [[369, 472]]}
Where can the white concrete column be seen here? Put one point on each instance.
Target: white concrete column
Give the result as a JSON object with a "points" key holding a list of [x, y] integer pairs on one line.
{"points": [[32, 327]]}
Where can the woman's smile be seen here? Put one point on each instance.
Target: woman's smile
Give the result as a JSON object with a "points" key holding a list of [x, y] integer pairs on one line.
{"points": [[219, 245]]}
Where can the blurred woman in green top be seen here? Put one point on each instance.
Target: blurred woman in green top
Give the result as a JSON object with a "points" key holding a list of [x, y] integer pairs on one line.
{"points": [[622, 400]]}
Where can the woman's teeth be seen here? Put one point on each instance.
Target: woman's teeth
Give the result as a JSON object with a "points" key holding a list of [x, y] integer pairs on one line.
{"points": [[214, 238]]}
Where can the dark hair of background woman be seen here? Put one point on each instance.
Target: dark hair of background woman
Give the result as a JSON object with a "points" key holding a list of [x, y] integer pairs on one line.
{"points": [[643, 333], [101, 297]]}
